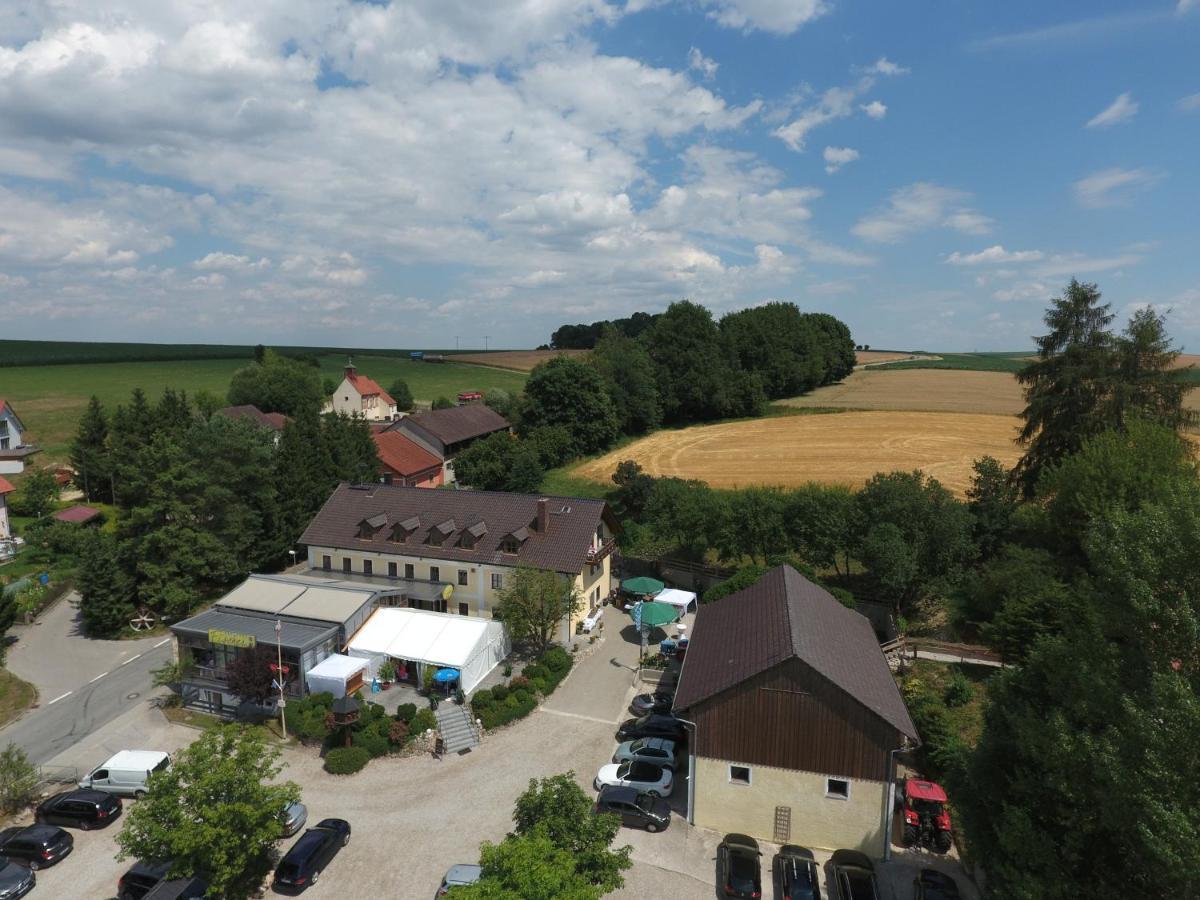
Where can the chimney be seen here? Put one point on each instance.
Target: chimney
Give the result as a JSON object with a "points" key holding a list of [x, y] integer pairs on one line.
{"points": [[543, 515]]}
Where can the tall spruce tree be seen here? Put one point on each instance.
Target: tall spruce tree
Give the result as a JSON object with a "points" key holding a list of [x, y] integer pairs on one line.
{"points": [[90, 456]]}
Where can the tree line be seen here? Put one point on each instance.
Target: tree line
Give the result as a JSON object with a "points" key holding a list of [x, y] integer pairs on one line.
{"points": [[684, 367]]}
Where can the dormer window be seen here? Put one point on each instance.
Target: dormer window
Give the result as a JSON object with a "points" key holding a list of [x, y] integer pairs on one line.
{"points": [[403, 530], [368, 527], [511, 543], [438, 533], [470, 536]]}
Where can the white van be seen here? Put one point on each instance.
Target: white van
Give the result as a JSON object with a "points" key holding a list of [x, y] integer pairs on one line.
{"points": [[126, 773]]}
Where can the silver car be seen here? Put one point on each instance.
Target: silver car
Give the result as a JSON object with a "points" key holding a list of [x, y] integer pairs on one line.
{"points": [[461, 874], [660, 751], [15, 880], [294, 817]]}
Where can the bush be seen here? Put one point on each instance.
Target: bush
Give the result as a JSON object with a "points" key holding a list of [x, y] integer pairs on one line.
{"points": [[18, 779], [557, 660], [518, 705], [499, 692], [959, 691], [405, 712], [536, 672], [398, 733], [520, 683], [483, 699], [309, 726], [372, 741], [423, 721], [346, 760]]}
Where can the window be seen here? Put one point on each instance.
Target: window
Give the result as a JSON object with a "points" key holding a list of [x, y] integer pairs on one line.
{"points": [[497, 581], [837, 788], [435, 538], [509, 545], [368, 567], [408, 571], [435, 574], [739, 774], [346, 564], [462, 577], [391, 570], [326, 563]]}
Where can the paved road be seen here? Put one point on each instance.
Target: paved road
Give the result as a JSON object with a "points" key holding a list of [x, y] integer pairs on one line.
{"points": [[82, 683]]}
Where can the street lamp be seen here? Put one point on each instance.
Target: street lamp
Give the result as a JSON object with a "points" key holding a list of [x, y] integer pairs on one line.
{"points": [[293, 554], [280, 678]]}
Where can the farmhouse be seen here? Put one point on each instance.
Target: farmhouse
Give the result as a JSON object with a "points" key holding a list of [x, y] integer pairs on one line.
{"points": [[404, 462], [13, 448], [6, 488], [270, 421], [456, 550], [361, 396], [447, 432], [796, 718]]}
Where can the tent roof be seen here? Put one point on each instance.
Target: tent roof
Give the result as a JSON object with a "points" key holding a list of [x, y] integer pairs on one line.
{"points": [[675, 597], [262, 596], [299, 596], [338, 666], [438, 638]]}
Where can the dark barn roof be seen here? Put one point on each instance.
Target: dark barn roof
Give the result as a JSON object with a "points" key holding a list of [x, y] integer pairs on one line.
{"points": [[274, 421], [459, 423], [562, 547], [784, 615]]}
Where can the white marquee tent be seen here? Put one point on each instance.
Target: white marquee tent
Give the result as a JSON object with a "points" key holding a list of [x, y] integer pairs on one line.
{"points": [[333, 673], [681, 600], [472, 645]]}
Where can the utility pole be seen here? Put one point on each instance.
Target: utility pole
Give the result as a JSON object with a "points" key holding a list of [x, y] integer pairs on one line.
{"points": [[485, 340], [280, 677], [456, 343]]}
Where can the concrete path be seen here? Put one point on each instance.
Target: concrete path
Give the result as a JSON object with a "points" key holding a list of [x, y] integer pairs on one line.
{"points": [[82, 683], [600, 686]]}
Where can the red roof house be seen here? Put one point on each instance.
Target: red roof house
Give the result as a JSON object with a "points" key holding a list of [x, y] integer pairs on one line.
{"points": [[405, 462], [6, 486], [362, 396], [77, 515]]}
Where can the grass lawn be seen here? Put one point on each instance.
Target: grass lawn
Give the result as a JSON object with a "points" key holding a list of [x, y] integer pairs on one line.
{"points": [[970, 362], [50, 399], [966, 720], [16, 696]]}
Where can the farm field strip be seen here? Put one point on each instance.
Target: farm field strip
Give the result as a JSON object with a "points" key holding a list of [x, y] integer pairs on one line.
{"points": [[919, 390], [843, 448], [517, 360]]}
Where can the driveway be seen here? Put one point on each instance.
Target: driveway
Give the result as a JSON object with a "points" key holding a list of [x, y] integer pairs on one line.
{"points": [[82, 683]]}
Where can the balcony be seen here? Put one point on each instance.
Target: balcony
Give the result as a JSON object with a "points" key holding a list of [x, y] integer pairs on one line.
{"points": [[596, 554]]}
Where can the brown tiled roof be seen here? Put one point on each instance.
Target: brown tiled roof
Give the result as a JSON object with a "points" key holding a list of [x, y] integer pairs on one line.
{"points": [[785, 615], [6, 486], [274, 421], [563, 547], [77, 515], [368, 387], [460, 423], [403, 455]]}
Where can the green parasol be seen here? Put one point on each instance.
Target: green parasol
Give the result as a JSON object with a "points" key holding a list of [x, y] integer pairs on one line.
{"points": [[642, 585], [653, 615]]}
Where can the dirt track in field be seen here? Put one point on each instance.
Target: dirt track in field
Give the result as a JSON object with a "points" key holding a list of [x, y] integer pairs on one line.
{"points": [[517, 360], [842, 448], [870, 357], [920, 390]]}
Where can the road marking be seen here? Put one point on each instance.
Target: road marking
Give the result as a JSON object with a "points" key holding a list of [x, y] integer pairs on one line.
{"points": [[571, 715], [131, 659], [97, 678], [59, 697], [160, 643]]}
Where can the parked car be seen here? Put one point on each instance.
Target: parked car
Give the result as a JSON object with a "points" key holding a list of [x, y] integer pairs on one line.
{"points": [[302, 865], [37, 846], [85, 809], [652, 725], [458, 875], [853, 876], [179, 889], [931, 884], [644, 776], [660, 751], [637, 809], [738, 871], [126, 773], [658, 702], [15, 880], [294, 817], [796, 873], [140, 879]]}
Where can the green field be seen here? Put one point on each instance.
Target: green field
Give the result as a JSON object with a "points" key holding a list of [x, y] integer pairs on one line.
{"points": [[971, 362], [50, 398]]}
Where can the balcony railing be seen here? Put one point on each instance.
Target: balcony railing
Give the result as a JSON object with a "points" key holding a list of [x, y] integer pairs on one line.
{"points": [[598, 553]]}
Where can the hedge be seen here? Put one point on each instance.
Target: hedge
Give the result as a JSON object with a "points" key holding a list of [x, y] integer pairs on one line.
{"points": [[422, 722], [372, 741], [405, 712], [500, 705], [346, 760]]}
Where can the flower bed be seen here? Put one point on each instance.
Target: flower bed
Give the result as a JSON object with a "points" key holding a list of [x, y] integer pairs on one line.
{"points": [[508, 703]]}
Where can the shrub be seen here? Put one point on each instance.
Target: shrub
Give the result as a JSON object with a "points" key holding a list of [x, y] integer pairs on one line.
{"points": [[483, 699], [18, 779], [557, 660], [519, 683], [346, 760], [310, 726], [423, 721], [959, 691], [518, 705], [499, 692], [372, 741], [536, 671], [405, 712], [507, 670], [398, 732]]}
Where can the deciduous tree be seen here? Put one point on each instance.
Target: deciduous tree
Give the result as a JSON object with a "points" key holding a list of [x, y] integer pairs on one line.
{"points": [[277, 384], [534, 603], [500, 462], [629, 377], [400, 393], [567, 392], [250, 675]]}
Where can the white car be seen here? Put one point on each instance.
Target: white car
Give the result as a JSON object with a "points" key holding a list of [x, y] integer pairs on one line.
{"points": [[660, 751], [642, 776]]}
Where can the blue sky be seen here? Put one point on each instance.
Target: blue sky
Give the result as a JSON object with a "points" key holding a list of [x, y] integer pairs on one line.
{"points": [[402, 175]]}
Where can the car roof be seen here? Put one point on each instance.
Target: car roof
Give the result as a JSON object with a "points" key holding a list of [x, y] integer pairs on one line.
{"points": [[332, 824], [741, 842], [37, 832], [81, 794], [153, 869], [794, 851], [659, 743], [134, 759], [852, 859], [618, 793], [933, 876], [464, 873], [308, 842]]}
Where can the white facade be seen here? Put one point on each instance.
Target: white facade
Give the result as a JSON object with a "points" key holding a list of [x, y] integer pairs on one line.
{"points": [[358, 395], [5, 528], [13, 449]]}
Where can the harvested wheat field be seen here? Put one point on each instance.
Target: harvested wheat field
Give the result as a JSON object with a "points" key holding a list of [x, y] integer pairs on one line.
{"points": [[871, 357], [839, 448], [920, 390], [517, 360]]}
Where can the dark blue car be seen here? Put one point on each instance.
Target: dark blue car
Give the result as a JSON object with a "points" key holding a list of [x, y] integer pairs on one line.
{"points": [[301, 867]]}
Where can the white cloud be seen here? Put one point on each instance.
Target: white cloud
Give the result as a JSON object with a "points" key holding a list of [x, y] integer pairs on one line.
{"points": [[1113, 187], [994, 255], [1190, 103], [1082, 264], [1186, 5], [918, 207], [884, 66], [776, 16], [1121, 110], [1024, 291], [835, 103], [231, 262], [874, 109], [11, 282], [836, 157], [702, 64], [211, 280]]}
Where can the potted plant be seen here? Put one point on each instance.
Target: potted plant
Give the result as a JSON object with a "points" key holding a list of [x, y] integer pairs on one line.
{"points": [[387, 674]]}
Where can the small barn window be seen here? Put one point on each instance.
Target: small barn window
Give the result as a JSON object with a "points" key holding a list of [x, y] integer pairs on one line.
{"points": [[739, 774], [837, 788]]}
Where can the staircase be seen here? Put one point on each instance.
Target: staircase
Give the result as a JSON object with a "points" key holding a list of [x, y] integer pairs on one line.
{"points": [[457, 727]]}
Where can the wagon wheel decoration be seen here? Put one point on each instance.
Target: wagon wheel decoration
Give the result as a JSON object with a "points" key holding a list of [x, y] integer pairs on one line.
{"points": [[143, 620]]}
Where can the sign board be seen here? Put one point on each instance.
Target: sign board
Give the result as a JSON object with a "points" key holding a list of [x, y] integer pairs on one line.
{"points": [[276, 685], [447, 591], [275, 668], [230, 638]]}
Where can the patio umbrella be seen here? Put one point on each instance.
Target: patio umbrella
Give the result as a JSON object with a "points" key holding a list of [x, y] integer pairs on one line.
{"points": [[642, 585], [652, 615], [445, 676]]}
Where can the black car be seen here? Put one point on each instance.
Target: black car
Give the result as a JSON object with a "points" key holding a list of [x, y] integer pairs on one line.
{"points": [[853, 876], [658, 702], [302, 865], [179, 889], [140, 879], [16, 880], [796, 873], [934, 885], [635, 808], [738, 871], [37, 846], [652, 725], [82, 808]]}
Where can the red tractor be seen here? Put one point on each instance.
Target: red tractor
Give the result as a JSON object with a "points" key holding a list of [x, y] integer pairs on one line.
{"points": [[926, 821]]}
